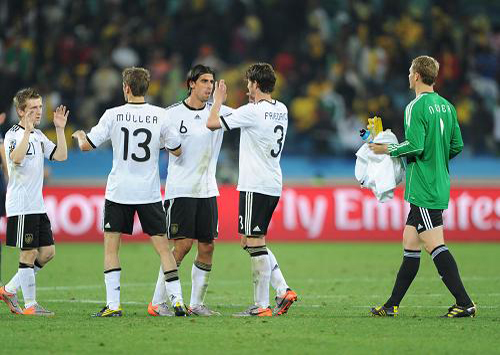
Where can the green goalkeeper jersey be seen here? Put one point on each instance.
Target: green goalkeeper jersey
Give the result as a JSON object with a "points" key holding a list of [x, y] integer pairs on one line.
{"points": [[432, 138]]}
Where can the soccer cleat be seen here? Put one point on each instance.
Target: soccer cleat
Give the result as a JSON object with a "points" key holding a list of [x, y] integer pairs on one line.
{"points": [[37, 310], [180, 310], [11, 300], [383, 311], [456, 311], [283, 303], [160, 310], [202, 310], [255, 311], [107, 312]]}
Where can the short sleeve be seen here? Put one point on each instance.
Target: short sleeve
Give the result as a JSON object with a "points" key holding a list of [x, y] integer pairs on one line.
{"points": [[101, 132], [49, 148], [170, 138], [10, 144], [240, 117]]}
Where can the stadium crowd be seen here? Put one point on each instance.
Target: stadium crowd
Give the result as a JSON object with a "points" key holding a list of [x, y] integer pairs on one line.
{"points": [[339, 62]]}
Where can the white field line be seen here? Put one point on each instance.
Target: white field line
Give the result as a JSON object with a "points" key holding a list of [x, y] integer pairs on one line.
{"points": [[242, 282], [244, 305], [310, 296]]}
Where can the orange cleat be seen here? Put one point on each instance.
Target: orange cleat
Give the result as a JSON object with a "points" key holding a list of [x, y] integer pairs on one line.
{"points": [[11, 300], [283, 303]]}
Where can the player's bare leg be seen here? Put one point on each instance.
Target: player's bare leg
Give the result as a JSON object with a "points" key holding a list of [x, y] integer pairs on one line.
{"points": [[45, 254], [433, 240], [181, 249], [171, 274], [200, 275], [407, 272]]}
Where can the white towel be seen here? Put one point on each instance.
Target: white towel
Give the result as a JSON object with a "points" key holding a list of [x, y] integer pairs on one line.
{"points": [[379, 172]]}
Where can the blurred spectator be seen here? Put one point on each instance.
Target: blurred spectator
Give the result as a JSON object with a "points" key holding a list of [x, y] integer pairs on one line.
{"points": [[338, 62]]}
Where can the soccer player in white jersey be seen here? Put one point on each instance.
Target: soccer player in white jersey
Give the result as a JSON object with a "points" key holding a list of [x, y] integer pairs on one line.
{"points": [[263, 124], [191, 189], [137, 131], [28, 226]]}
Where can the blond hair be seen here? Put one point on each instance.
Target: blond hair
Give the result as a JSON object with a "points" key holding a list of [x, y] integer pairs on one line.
{"points": [[427, 67], [22, 97]]}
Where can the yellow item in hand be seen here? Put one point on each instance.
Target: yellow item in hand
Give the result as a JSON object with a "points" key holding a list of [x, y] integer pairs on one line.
{"points": [[375, 126]]}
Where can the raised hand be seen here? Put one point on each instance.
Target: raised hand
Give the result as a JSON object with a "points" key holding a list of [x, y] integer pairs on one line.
{"points": [[220, 92], [61, 117], [30, 120]]}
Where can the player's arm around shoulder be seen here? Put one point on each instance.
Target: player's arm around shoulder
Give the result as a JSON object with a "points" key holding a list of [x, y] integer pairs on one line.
{"points": [[60, 119]]}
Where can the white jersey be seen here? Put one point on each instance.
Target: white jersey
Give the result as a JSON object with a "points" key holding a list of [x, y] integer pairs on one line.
{"points": [[193, 173], [24, 191], [137, 133], [263, 130]]}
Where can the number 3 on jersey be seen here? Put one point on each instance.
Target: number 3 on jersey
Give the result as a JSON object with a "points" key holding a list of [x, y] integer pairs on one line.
{"points": [[143, 145], [278, 128]]}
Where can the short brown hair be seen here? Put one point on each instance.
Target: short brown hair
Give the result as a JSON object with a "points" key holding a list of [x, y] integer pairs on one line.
{"points": [[427, 67], [263, 74], [137, 79], [22, 97]]}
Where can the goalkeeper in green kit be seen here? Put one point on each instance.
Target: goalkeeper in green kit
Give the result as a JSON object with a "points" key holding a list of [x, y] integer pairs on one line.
{"points": [[432, 138]]}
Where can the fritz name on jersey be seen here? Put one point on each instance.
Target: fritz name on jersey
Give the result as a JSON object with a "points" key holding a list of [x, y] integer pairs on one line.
{"points": [[276, 116]]}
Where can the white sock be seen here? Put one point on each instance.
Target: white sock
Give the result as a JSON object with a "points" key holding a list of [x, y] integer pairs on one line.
{"points": [[200, 273], [278, 282], [160, 294], [28, 285], [261, 272], [15, 284], [112, 281], [173, 287]]}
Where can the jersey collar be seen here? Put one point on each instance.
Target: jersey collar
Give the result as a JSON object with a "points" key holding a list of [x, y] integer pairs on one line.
{"points": [[18, 125], [192, 108], [273, 102]]}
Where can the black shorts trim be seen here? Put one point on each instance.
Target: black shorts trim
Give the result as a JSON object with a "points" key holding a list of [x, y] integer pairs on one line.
{"points": [[29, 231], [255, 213], [424, 219], [193, 218], [119, 218]]}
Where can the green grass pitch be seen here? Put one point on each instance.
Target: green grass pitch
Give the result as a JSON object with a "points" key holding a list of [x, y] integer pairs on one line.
{"points": [[336, 284]]}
